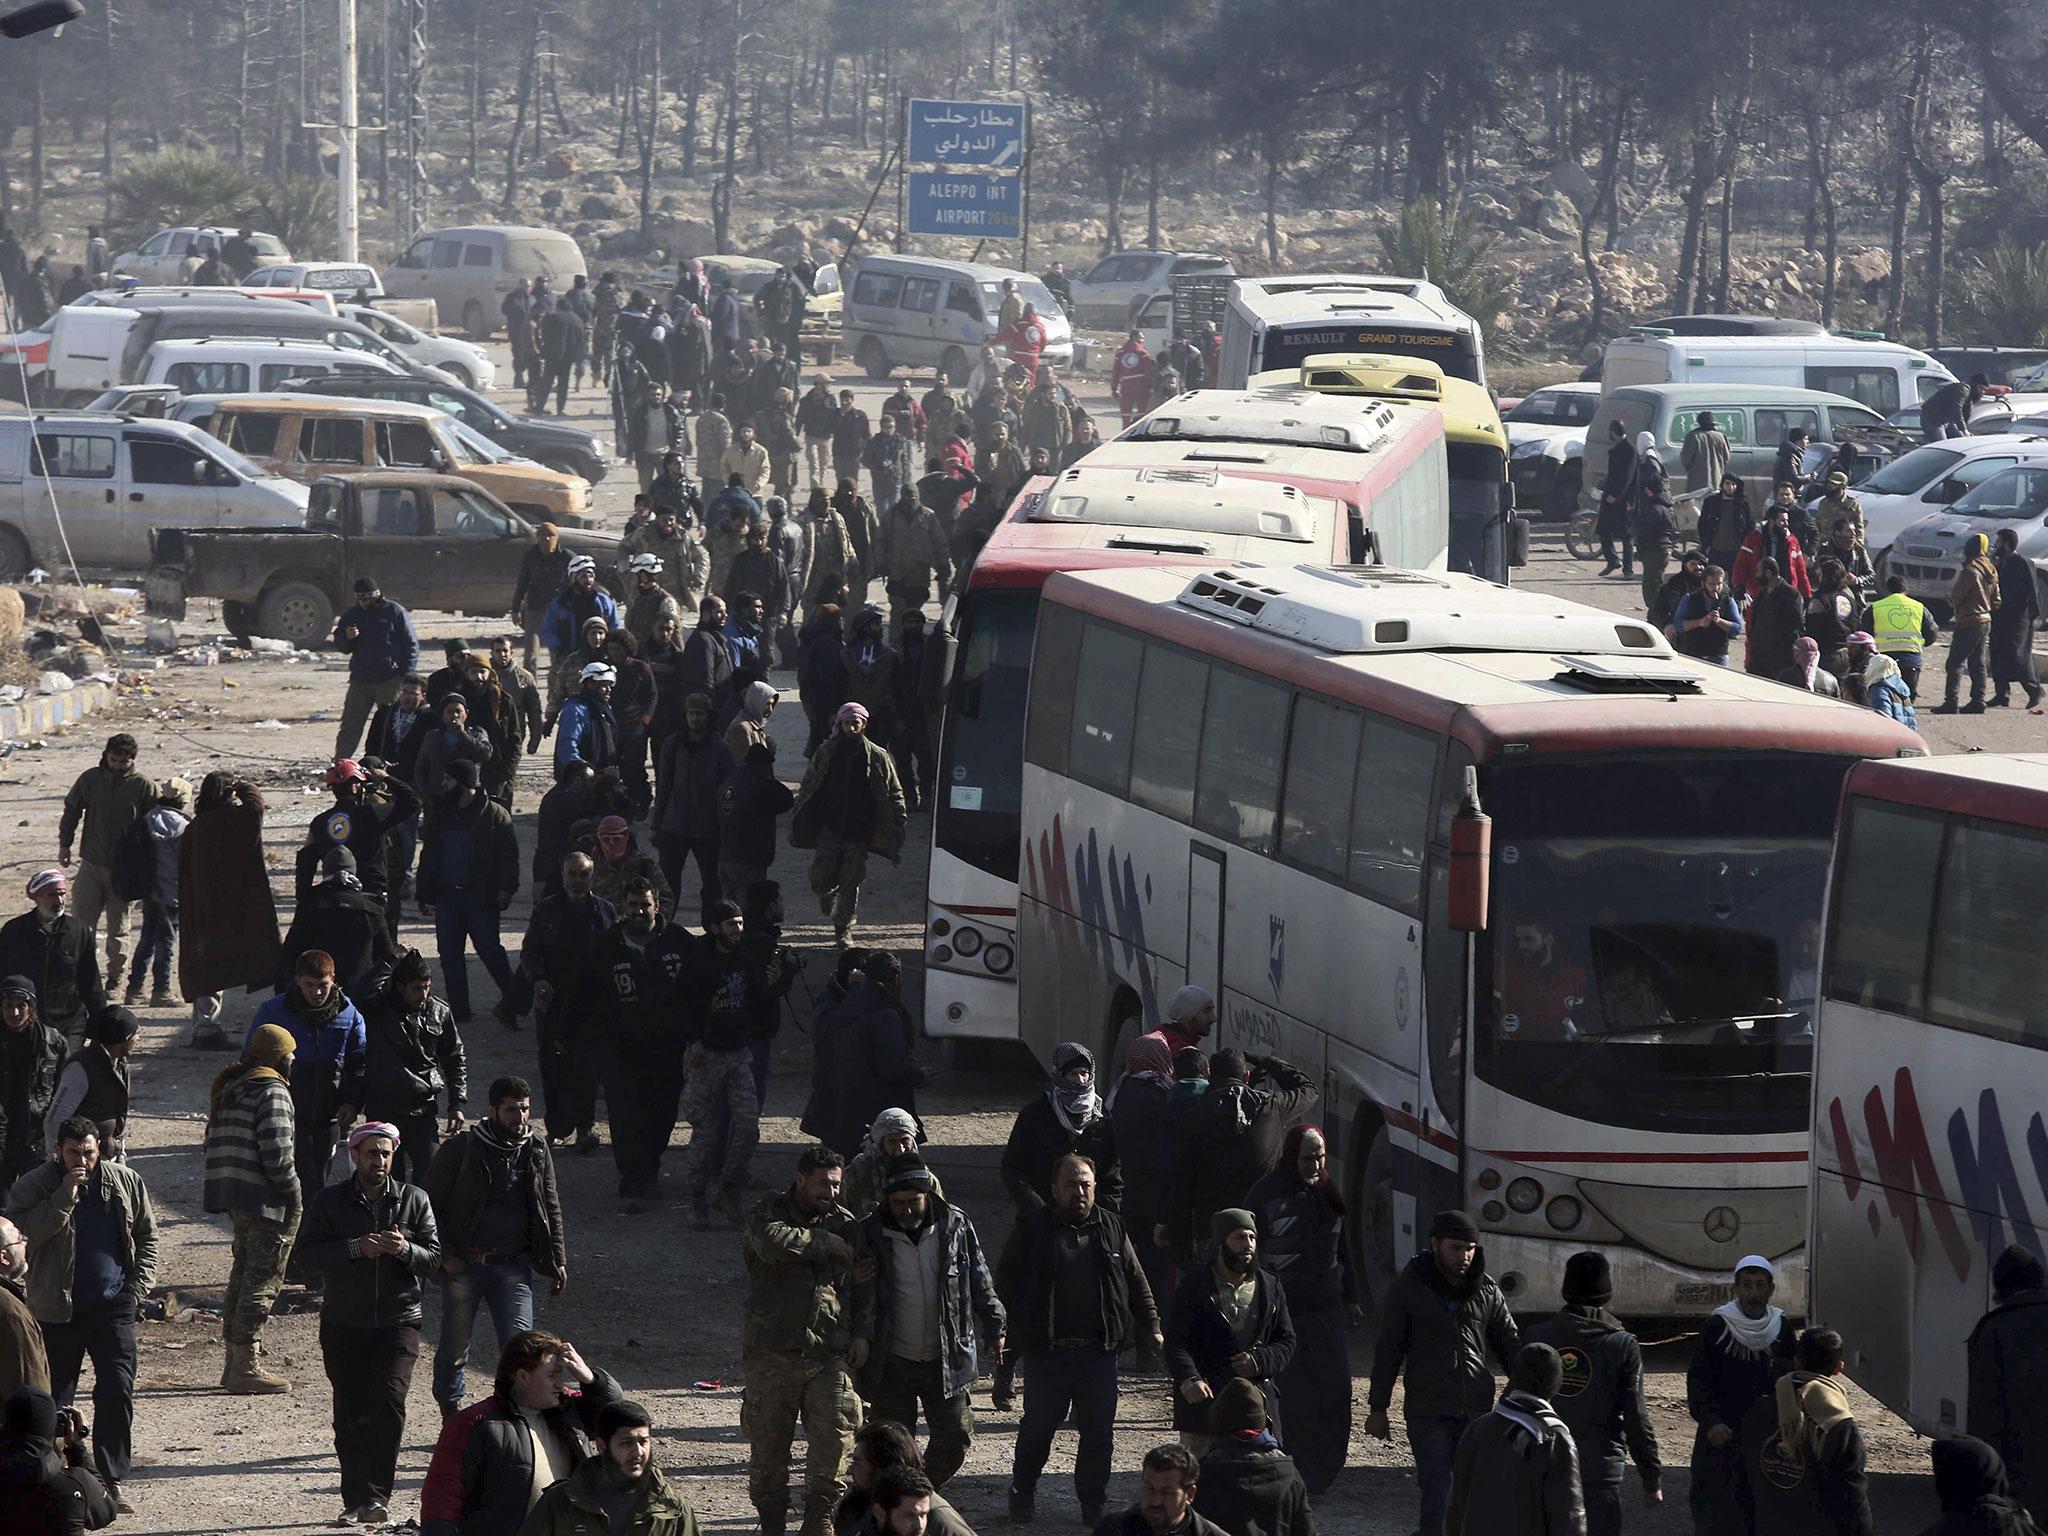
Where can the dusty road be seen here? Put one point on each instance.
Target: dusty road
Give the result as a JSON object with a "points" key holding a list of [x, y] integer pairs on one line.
{"points": [[650, 1299]]}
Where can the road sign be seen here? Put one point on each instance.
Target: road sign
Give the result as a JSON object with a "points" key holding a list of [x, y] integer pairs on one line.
{"points": [[984, 207], [989, 133]]}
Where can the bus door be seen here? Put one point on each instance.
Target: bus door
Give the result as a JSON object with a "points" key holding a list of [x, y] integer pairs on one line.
{"points": [[1205, 919]]}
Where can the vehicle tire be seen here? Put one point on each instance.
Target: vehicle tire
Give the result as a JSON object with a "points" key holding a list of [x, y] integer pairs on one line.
{"points": [[873, 358], [954, 362], [239, 619], [1372, 1229], [459, 374], [1580, 538], [16, 558], [296, 611], [474, 323], [1563, 500]]}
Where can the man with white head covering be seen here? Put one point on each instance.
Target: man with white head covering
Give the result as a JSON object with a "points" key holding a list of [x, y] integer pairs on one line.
{"points": [[1190, 1018], [849, 805], [53, 949], [1066, 1118], [1742, 1350], [895, 1132]]}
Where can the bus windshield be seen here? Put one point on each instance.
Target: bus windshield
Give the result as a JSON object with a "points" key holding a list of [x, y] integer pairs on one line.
{"points": [[1289, 346], [1655, 941], [981, 774]]}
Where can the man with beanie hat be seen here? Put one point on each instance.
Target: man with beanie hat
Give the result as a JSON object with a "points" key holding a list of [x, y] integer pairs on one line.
{"points": [[94, 1082], [1229, 1323], [469, 873], [413, 1053], [1600, 1394], [252, 1177], [1442, 1317], [339, 918], [1249, 1486], [618, 1489], [935, 1313], [31, 1057], [849, 805], [722, 990], [1517, 1471], [377, 636]]}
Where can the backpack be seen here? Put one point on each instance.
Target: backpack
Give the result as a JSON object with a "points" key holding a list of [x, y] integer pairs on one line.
{"points": [[134, 866]]}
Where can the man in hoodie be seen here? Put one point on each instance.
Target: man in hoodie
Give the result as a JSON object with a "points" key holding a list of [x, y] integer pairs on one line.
{"points": [[2008, 1352], [1443, 1316], [1742, 1350], [1249, 1486], [469, 873], [750, 802], [1516, 1472], [849, 805], [1974, 600], [1804, 1449], [1229, 1323], [1231, 1139], [251, 1176], [340, 919], [1600, 1392]]}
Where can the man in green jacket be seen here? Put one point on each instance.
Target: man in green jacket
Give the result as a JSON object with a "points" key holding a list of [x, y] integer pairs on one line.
{"points": [[617, 1490], [108, 797], [809, 1300]]}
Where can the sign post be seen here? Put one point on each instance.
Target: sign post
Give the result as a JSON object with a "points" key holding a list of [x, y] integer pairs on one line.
{"points": [[971, 158]]}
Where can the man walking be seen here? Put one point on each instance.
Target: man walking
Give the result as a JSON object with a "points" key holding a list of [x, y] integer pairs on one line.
{"points": [[803, 1335], [631, 1005], [1973, 600], [565, 927], [891, 462], [92, 1250], [1742, 1350], [1704, 454], [1075, 1292], [377, 637], [2006, 1351], [31, 1057], [413, 1052], [251, 1176], [109, 797], [849, 805], [469, 873], [1517, 1471], [1903, 629], [935, 1312], [375, 1241], [723, 991], [695, 763], [492, 1188], [1229, 1323], [1231, 1139], [1442, 1318], [1811, 1426]]}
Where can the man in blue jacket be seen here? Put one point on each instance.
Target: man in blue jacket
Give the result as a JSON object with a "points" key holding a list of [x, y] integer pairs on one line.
{"points": [[587, 731], [377, 637]]}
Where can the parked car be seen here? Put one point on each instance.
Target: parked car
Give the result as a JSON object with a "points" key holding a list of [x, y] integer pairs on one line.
{"points": [[1547, 447], [1934, 477], [434, 542], [467, 270], [464, 362], [1118, 287], [161, 258], [306, 436], [114, 481], [228, 365], [555, 443], [341, 278], [1929, 552], [135, 400], [2006, 366]]}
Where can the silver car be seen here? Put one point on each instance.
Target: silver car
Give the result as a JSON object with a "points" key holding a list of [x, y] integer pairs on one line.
{"points": [[1930, 552]]}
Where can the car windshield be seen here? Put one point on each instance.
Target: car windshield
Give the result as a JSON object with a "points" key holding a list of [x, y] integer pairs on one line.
{"points": [[1655, 942], [479, 449], [1557, 408], [2010, 495], [1910, 471], [2035, 380]]}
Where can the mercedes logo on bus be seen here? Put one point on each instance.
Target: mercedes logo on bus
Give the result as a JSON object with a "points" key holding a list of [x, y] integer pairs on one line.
{"points": [[1722, 1224]]}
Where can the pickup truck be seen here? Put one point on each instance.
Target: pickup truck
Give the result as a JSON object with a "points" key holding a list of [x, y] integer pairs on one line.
{"points": [[436, 542]]}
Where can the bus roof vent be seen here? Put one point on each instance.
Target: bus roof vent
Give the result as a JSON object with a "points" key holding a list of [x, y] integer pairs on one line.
{"points": [[1610, 674], [1293, 418], [1209, 508], [1373, 373], [1356, 610]]}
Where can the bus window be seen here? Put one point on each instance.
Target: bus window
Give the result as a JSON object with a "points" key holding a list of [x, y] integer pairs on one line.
{"points": [[1884, 908], [1986, 966], [1053, 662], [1105, 696], [1237, 794], [1390, 815], [1322, 756], [1168, 732]]}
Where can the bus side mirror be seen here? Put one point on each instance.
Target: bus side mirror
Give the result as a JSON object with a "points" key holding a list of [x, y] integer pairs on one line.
{"points": [[1471, 860], [1518, 541]]}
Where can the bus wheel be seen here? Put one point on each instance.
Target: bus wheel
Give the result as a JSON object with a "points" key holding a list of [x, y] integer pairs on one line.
{"points": [[1372, 1225], [1580, 538]]}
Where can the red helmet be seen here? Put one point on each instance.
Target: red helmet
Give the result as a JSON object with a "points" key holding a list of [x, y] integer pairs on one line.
{"points": [[345, 770]]}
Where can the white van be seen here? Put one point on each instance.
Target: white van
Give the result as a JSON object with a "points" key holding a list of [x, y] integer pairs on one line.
{"points": [[1880, 374], [468, 270], [115, 480], [920, 312], [235, 365]]}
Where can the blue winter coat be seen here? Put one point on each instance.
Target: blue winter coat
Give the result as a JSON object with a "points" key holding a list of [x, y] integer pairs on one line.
{"points": [[327, 1062], [560, 628], [379, 642], [586, 732]]}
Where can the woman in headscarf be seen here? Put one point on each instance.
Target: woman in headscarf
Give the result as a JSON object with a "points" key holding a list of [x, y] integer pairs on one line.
{"points": [[1969, 1479], [1301, 1239], [1065, 1119], [894, 1132], [1144, 1141], [252, 1176]]}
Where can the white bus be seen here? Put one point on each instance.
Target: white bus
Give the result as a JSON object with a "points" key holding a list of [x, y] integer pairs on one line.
{"points": [[1930, 1068], [1279, 323], [1248, 780], [1192, 501]]}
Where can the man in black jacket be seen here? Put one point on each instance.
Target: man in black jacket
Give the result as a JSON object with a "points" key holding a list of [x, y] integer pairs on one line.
{"points": [[1167, 1489], [359, 820], [412, 1052], [1066, 1118], [707, 656], [54, 950], [1231, 1138], [375, 1241], [1600, 1392], [1517, 1470], [722, 988], [469, 873], [31, 1057], [1073, 1291], [2008, 1359], [1229, 1323], [493, 1191], [1442, 1317], [1250, 1487], [483, 1479], [342, 920], [47, 1478], [562, 931], [632, 1010]]}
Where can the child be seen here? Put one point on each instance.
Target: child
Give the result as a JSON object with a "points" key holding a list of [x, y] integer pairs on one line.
{"points": [[166, 821]]}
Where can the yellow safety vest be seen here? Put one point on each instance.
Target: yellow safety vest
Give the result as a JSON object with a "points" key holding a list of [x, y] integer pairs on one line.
{"points": [[1898, 619]]}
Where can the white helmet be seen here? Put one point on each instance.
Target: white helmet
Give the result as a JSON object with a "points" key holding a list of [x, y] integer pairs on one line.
{"points": [[598, 672], [650, 563], [580, 564]]}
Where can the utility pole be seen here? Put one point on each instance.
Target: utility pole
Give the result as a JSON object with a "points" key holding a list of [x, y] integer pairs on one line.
{"points": [[346, 201]]}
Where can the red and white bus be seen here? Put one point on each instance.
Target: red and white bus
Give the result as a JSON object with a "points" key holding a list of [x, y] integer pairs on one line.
{"points": [[1188, 511], [1930, 1068], [1248, 778]]}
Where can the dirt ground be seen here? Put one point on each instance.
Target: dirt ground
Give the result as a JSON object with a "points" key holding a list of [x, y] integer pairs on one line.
{"points": [[650, 1299]]}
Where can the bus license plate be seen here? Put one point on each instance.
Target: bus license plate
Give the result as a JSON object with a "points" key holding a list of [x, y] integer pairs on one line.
{"points": [[1701, 1293]]}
